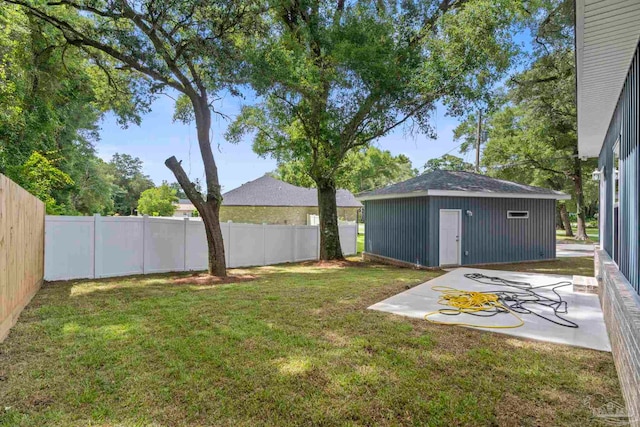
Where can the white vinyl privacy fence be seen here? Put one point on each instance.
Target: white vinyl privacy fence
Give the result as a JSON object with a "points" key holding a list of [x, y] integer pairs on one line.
{"points": [[94, 247]]}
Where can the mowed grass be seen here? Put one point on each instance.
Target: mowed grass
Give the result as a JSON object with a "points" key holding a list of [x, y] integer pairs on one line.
{"points": [[296, 346], [592, 233]]}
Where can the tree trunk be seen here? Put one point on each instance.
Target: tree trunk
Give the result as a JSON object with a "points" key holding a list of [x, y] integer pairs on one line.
{"points": [[581, 233], [566, 224], [210, 214], [209, 206], [559, 224], [329, 233]]}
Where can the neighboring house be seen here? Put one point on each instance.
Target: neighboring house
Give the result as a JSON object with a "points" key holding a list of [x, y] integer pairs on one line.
{"points": [[460, 218], [184, 208], [608, 71], [269, 200]]}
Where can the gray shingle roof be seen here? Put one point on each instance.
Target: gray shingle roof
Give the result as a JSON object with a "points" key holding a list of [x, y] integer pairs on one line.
{"points": [[268, 191], [458, 181]]}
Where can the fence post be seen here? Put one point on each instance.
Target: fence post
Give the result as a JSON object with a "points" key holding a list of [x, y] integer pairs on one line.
{"points": [[145, 226], [186, 224], [264, 243], [97, 246], [355, 240], [295, 241], [229, 245], [318, 242]]}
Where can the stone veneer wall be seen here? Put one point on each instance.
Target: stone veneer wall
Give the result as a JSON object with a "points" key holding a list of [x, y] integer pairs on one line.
{"points": [[290, 215], [621, 309]]}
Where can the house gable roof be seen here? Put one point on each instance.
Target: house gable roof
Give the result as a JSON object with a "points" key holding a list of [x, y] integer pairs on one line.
{"points": [[268, 191], [460, 184]]}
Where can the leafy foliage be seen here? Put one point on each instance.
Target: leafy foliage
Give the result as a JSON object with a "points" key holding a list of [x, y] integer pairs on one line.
{"points": [[180, 192], [130, 182], [158, 201], [448, 162], [187, 46], [533, 137], [52, 99], [42, 178], [332, 77], [362, 170]]}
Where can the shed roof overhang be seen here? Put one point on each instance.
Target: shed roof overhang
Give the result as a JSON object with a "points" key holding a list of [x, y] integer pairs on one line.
{"points": [[451, 193], [607, 33]]}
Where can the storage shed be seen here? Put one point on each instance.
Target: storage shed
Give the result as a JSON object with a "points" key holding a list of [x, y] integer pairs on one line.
{"points": [[445, 218]]}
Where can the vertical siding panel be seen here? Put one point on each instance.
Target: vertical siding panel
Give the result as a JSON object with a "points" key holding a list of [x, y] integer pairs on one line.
{"points": [[394, 221], [624, 124], [407, 229]]}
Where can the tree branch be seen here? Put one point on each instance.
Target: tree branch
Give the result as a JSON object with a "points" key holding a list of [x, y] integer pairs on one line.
{"points": [[76, 38], [189, 188]]}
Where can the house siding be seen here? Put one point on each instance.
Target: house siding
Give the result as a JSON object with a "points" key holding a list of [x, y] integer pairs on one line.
{"points": [[489, 237], [398, 229], [408, 229], [623, 127], [618, 263], [290, 215]]}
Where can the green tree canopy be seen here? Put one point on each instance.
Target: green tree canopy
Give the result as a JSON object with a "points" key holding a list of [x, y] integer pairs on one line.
{"points": [[362, 170], [158, 201], [186, 47], [180, 192], [42, 178], [52, 99], [334, 76], [533, 138], [448, 162], [130, 182]]}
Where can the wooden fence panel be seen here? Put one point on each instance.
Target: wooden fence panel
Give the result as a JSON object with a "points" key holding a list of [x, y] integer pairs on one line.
{"points": [[21, 250]]}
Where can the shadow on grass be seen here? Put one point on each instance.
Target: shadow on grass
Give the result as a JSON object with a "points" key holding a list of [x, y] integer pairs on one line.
{"points": [[289, 348]]}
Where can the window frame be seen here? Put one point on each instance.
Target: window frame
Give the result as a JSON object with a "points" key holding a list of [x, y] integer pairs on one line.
{"points": [[510, 213]]}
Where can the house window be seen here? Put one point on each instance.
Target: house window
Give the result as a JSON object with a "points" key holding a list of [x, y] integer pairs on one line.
{"points": [[517, 214]]}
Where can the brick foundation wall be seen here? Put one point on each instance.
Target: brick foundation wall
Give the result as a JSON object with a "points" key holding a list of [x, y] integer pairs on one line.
{"points": [[290, 215], [621, 309]]}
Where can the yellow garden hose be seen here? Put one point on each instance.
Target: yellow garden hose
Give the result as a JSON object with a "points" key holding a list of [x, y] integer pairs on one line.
{"points": [[469, 302]]}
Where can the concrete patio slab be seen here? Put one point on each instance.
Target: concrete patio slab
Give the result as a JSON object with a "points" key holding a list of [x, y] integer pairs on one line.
{"points": [[569, 250], [583, 309]]}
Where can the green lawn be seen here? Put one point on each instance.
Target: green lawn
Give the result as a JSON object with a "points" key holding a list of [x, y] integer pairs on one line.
{"points": [[295, 346], [593, 233]]}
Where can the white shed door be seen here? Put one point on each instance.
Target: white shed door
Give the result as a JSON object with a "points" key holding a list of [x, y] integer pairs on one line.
{"points": [[450, 229]]}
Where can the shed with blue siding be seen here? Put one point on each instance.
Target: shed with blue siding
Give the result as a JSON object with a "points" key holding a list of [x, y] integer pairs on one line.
{"points": [[460, 218]]}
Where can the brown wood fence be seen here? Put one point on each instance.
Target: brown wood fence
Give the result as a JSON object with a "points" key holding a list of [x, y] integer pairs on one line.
{"points": [[21, 250]]}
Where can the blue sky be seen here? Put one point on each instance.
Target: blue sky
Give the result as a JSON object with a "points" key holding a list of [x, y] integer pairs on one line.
{"points": [[158, 138]]}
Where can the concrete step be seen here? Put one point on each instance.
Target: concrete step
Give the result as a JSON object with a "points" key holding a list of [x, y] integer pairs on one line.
{"points": [[585, 285]]}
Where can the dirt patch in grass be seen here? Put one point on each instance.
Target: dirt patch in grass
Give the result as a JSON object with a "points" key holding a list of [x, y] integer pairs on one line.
{"points": [[207, 279], [343, 263]]}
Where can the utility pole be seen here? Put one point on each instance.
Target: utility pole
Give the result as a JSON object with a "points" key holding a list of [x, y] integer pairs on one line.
{"points": [[478, 139]]}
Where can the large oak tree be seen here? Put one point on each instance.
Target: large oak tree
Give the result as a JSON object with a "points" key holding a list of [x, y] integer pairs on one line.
{"points": [[333, 76], [184, 46]]}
